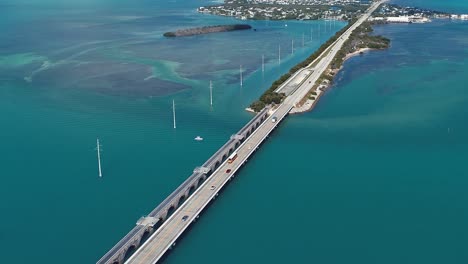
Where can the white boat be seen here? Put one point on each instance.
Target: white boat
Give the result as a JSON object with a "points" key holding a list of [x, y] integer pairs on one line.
{"points": [[198, 138]]}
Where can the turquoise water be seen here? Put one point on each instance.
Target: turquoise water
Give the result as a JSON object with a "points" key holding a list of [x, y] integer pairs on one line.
{"points": [[375, 174], [71, 72]]}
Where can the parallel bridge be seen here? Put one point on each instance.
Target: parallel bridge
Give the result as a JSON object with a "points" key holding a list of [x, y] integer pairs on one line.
{"points": [[171, 218], [158, 215]]}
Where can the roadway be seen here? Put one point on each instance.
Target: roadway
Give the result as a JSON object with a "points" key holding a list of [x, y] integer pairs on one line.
{"points": [[165, 236], [118, 251], [323, 62]]}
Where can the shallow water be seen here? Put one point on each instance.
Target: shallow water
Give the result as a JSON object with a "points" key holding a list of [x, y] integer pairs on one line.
{"points": [[375, 174]]}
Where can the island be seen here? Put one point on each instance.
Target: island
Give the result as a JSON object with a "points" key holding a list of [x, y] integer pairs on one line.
{"points": [[359, 41], [206, 30], [285, 10], [343, 10]]}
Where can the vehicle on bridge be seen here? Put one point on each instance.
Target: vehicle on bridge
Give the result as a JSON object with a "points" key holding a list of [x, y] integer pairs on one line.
{"points": [[274, 119], [232, 157]]}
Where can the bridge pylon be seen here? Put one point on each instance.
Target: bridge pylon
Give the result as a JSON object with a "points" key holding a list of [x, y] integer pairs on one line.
{"points": [[237, 137], [201, 169]]}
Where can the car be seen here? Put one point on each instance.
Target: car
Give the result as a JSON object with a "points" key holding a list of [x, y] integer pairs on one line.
{"points": [[228, 170], [185, 217]]}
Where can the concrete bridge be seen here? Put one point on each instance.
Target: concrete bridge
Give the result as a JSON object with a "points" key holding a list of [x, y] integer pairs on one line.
{"points": [[163, 226], [145, 226], [166, 236]]}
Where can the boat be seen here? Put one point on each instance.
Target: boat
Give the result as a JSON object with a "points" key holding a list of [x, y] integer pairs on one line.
{"points": [[198, 138]]}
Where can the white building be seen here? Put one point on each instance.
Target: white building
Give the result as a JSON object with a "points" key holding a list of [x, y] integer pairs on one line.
{"points": [[400, 19]]}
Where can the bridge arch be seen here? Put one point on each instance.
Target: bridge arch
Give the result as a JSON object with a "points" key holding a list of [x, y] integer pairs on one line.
{"points": [[145, 235], [200, 181], [130, 250], [170, 210], [192, 189], [181, 200]]}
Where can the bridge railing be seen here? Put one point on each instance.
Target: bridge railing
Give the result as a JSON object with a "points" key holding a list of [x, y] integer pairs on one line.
{"points": [[220, 151], [110, 255], [253, 120], [188, 182]]}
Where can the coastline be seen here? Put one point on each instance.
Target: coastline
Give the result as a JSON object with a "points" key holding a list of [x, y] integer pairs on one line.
{"points": [[356, 53], [309, 104]]}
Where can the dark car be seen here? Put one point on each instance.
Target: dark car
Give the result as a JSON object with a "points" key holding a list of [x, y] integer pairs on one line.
{"points": [[185, 217], [228, 170]]}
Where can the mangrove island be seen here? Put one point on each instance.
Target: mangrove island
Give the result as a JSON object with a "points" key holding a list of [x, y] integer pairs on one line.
{"points": [[206, 30]]}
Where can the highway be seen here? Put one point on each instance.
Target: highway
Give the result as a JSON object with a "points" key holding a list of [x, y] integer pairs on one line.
{"points": [[323, 63], [167, 234], [117, 253], [155, 247]]}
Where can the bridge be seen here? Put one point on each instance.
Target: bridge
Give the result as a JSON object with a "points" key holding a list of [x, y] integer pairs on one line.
{"points": [[164, 225], [146, 225]]}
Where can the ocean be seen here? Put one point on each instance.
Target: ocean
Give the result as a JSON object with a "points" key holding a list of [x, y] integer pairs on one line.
{"points": [[375, 174]]}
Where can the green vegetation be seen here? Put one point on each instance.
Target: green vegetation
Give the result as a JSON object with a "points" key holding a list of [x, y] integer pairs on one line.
{"points": [[206, 29], [359, 39], [169, 34], [271, 10], [270, 97]]}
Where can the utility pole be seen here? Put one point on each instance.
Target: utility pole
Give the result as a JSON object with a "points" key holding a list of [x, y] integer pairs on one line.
{"points": [[263, 63], [98, 147], [173, 112], [240, 70], [292, 46], [279, 54], [211, 93]]}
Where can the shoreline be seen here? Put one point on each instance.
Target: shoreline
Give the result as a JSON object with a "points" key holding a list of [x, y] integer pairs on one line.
{"points": [[356, 53], [309, 104]]}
